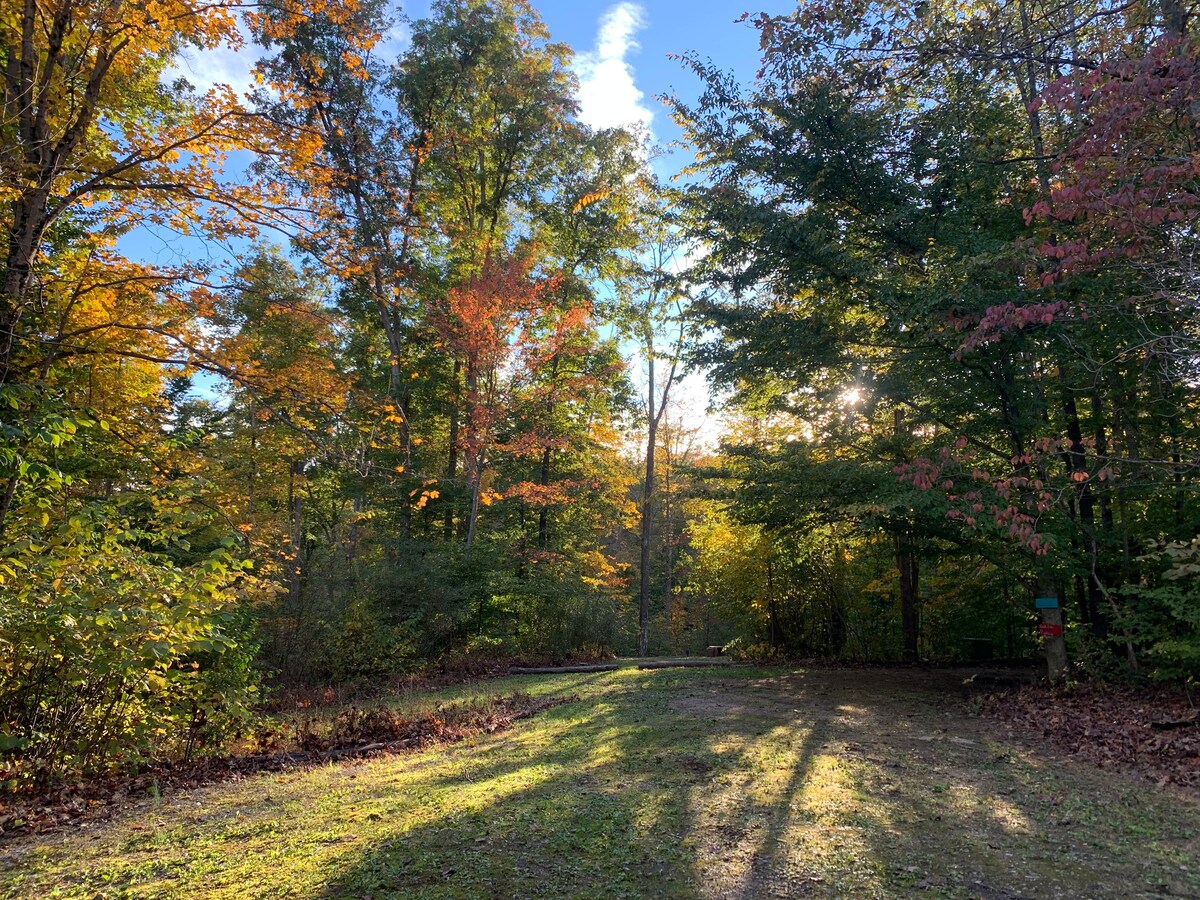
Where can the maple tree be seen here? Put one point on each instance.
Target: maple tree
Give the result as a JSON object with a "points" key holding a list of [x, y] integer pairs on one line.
{"points": [[481, 326], [96, 141]]}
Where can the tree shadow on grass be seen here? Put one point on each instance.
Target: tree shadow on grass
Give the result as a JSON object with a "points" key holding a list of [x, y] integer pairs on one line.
{"points": [[680, 786], [968, 818], [586, 802], [913, 796], [668, 784]]}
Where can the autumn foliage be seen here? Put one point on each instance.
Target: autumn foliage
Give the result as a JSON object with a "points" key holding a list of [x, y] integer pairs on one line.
{"points": [[328, 377]]}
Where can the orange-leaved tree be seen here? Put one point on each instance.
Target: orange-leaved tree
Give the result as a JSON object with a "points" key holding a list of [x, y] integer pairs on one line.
{"points": [[96, 140], [482, 323]]}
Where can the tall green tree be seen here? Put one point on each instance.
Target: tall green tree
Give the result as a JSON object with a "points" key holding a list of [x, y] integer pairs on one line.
{"points": [[872, 208]]}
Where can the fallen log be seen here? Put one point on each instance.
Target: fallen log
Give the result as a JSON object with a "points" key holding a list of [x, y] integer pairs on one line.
{"points": [[685, 664], [560, 670], [1189, 722]]}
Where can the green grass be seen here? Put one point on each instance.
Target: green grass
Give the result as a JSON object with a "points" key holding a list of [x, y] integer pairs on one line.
{"points": [[671, 783]]}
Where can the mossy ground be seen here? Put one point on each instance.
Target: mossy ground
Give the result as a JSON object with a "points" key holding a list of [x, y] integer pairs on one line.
{"points": [[671, 783]]}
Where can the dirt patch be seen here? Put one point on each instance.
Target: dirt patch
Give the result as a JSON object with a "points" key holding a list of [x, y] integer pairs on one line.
{"points": [[891, 766]]}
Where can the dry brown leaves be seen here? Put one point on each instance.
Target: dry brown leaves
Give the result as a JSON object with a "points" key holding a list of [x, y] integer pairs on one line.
{"points": [[1152, 732]]}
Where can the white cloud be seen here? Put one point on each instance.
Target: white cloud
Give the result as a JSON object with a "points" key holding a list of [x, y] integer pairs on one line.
{"points": [[608, 96], [205, 68], [234, 66], [395, 43]]}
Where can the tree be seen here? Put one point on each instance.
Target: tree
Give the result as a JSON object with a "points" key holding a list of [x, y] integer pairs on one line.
{"points": [[872, 241], [480, 326], [270, 453], [663, 298], [95, 141]]}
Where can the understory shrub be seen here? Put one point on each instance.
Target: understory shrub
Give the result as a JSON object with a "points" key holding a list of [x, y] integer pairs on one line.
{"points": [[1161, 615], [118, 643]]}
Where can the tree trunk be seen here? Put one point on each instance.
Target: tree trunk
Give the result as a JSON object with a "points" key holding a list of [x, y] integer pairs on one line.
{"points": [[473, 512], [1055, 646], [296, 511], [1108, 568], [473, 461], [668, 535], [253, 457], [6, 499], [28, 225], [906, 562], [772, 611], [1077, 464], [647, 516], [543, 514], [547, 455], [452, 454]]}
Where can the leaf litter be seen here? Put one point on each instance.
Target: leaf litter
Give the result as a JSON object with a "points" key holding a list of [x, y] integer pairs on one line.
{"points": [[1150, 731]]}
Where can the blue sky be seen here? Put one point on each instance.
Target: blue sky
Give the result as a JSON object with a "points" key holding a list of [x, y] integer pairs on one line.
{"points": [[622, 58], [622, 49]]}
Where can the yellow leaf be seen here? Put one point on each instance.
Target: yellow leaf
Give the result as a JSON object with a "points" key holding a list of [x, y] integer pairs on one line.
{"points": [[588, 199]]}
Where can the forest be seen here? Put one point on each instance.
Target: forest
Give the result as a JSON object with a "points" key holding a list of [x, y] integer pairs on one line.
{"points": [[378, 369]]}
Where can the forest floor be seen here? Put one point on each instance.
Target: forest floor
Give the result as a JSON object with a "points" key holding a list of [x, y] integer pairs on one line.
{"points": [[737, 782]]}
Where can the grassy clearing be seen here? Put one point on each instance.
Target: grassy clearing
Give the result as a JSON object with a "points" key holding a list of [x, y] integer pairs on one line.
{"points": [[673, 783]]}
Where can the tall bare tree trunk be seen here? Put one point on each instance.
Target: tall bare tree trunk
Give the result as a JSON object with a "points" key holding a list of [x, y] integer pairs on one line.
{"points": [[543, 514], [547, 457], [668, 536], [452, 455], [647, 513], [906, 562], [1085, 503], [476, 487], [296, 512]]}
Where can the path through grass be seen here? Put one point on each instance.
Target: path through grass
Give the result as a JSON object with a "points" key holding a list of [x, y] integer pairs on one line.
{"points": [[736, 783]]}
